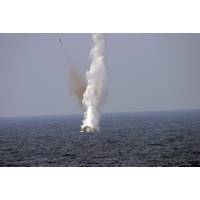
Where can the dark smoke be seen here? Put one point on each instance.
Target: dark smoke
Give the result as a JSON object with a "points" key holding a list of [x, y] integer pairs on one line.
{"points": [[77, 85]]}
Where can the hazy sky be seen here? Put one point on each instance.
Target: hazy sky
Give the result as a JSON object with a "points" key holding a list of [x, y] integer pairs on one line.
{"points": [[146, 72]]}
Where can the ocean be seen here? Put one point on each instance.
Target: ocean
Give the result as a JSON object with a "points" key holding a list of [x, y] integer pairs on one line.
{"points": [[170, 138]]}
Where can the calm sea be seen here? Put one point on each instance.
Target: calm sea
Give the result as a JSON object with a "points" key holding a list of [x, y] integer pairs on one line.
{"points": [[131, 139]]}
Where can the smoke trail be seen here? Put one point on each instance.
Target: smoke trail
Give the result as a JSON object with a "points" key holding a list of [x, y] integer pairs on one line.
{"points": [[93, 96], [77, 82], [78, 85]]}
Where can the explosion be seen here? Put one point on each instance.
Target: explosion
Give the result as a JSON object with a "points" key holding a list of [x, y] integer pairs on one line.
{"points": [[95, 76]]}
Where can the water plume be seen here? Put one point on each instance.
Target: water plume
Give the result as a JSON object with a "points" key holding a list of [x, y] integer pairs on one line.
{"points": [[95, 77]]}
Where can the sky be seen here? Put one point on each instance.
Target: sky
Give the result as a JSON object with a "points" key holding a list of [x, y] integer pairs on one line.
{"points": [[146, 72]]}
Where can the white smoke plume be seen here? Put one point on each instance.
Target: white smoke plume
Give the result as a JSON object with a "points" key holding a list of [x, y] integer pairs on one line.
{"points": [[93, 95]]}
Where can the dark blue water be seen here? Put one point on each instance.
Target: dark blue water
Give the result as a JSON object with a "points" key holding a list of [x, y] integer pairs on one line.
{"points": [[137, 139]]}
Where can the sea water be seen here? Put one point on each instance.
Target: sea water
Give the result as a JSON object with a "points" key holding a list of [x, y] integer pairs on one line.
{"points": [[169, 138]]}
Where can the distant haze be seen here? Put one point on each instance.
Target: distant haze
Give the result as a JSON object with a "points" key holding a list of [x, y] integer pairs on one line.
{"points": [[146, 72]]}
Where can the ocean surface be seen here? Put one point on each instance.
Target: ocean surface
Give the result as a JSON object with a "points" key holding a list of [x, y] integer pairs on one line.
{"points": [[129, 139]]}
